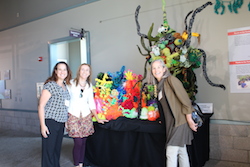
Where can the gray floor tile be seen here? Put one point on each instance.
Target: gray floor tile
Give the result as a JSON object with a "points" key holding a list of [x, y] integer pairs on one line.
{"points": [[22, 149]]}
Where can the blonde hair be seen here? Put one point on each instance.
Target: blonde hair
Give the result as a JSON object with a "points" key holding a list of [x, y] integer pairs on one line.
{"points": [[78, 74], [165, 75]]}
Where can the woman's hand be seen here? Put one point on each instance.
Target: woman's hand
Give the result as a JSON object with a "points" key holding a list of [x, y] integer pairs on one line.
{"points": [[191, 123], [102, 121], [44, 131], [66, 125], [43, 100]]}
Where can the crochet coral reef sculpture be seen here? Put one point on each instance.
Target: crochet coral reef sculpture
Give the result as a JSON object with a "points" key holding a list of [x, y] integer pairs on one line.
{"points": [[174, 48], [122, 93], [119, 94]]}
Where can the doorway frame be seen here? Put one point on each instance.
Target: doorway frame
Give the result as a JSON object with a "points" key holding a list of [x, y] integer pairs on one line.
{"points": [[69, 39]]}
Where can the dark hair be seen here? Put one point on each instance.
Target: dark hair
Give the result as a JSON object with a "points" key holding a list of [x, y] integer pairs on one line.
{"points": [[54, 77], [78, 74]]}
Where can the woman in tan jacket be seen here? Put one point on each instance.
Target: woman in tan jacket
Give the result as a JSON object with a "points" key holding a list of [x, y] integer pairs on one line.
{"points": [[177, 108]]}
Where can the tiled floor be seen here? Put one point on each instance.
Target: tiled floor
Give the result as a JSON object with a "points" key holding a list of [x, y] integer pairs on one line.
{"points": [[215, 163], [22, 149]]}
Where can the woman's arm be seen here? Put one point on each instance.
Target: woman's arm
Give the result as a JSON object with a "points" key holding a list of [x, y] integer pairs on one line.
{"points": [[43, 100], [181, 94], [102, 121], [186, 102]]}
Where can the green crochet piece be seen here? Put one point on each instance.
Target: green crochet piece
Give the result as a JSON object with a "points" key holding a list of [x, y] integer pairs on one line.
{"points": [[233, 6]]}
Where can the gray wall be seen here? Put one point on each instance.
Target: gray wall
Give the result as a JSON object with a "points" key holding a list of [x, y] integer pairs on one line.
{"points": [[14, 13], [113, 44]]}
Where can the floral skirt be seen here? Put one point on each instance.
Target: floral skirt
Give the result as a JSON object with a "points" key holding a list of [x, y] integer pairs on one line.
{"points": [[79, 127]]}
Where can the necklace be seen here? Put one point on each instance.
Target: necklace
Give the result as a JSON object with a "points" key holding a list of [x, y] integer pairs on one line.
{"points": [[83, 84]]}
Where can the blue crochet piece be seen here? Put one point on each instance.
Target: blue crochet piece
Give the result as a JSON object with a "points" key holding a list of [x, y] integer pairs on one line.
{"points": [[117, 78]]}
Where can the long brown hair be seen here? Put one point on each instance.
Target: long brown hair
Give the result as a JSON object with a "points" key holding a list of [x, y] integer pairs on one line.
{"points": [[54, 77], [78, 74]]}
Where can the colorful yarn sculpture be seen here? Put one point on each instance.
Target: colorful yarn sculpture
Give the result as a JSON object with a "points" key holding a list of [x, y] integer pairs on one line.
{"points": [[123, 94], [119, 94], [175, 50], [233, 6]]}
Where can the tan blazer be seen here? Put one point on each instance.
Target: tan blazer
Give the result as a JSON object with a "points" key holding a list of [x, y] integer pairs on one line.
{"points": [[178, 99]]}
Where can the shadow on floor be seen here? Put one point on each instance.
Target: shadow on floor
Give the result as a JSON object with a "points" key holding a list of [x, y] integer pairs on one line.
{"points": [[23, 149]]}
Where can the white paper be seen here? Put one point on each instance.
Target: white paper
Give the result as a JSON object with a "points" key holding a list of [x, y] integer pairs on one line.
{"points": [[206, 108], [239, 59]]}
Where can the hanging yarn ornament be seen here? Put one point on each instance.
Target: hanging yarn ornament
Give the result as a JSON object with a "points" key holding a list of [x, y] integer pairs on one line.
{"points": [[223, 8], [137, 23], [165, 21], [205, 73], [230, 7], [217, 6], [233, 6], [175, 49]]}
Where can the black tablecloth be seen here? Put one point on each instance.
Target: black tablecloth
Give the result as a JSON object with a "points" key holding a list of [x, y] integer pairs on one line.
{"points": [[200, 148], [137, 143]]}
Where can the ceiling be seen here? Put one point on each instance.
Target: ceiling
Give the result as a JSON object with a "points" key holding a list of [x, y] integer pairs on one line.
{"points": [[17, 12]]}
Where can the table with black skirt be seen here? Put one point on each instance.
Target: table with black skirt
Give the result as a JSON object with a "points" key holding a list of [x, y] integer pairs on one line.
{"points": [[200, 148], [128, 142]]}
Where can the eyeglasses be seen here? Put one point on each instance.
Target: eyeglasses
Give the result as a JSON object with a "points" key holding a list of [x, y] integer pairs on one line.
{"points": [[81, 93]]}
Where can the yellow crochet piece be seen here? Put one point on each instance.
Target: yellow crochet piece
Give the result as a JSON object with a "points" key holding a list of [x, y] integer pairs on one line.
{"points": [[185, 35], [169, 56], [103, 81], [129, 75], [104, 86]]}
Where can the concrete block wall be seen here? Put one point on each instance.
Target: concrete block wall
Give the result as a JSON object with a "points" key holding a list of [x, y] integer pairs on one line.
{"points": [[20, 121], [230, 142]]}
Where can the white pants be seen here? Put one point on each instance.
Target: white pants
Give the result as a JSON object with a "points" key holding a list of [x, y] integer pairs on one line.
{"points": [[177, 154]]}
